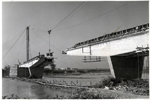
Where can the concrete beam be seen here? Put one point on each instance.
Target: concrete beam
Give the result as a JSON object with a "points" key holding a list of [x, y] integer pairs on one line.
{"points": [[114, 47]]}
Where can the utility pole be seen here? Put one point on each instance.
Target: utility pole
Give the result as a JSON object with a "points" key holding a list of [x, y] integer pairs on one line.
{"points": [[27, 44]]}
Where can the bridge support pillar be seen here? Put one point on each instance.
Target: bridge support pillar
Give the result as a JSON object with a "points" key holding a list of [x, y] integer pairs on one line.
{"points": [[129, 67]]}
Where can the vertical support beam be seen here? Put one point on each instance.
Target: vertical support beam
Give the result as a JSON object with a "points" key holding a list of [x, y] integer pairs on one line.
{"points": [[27, 44], [90, 50], [82, 50], [29, 71]]}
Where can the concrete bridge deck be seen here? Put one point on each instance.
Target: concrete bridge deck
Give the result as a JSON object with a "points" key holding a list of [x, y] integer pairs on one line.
{"points": [[121, 42]]}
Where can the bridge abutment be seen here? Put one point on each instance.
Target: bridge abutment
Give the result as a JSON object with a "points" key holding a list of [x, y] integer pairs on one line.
{"points": [[128, 67]]}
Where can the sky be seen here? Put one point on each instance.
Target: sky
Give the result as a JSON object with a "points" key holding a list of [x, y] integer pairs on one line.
{"points": [[70, 22]]}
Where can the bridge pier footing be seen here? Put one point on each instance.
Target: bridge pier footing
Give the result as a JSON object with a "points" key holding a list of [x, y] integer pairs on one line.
{"points": [[128, 67]]}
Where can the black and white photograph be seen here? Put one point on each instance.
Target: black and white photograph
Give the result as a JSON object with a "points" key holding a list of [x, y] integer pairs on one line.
{"points": [[75, 49]]}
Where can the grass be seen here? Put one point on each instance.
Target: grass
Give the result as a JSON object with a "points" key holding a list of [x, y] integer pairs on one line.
{"points": [[136, 86], [128, 89]]}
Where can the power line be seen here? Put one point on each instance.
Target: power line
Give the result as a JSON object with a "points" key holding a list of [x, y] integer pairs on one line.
{"points": [[79, 9], [39, 29], [13, 44], [56, 48], [44, 40], [20, 48], [37, 45], [67, 16], [45, 50], [11, 40], [76, 10], [94, 17], [40, 37]]}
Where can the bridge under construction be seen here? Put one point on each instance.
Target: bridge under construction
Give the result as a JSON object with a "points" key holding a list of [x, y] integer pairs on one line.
{"points": [[125, 50]]}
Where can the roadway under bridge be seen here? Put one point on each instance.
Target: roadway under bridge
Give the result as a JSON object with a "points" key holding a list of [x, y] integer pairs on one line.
{"points": [[125, 50]]}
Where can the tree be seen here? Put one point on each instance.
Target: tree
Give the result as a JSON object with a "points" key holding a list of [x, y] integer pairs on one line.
{"points": [[7, 70]]}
